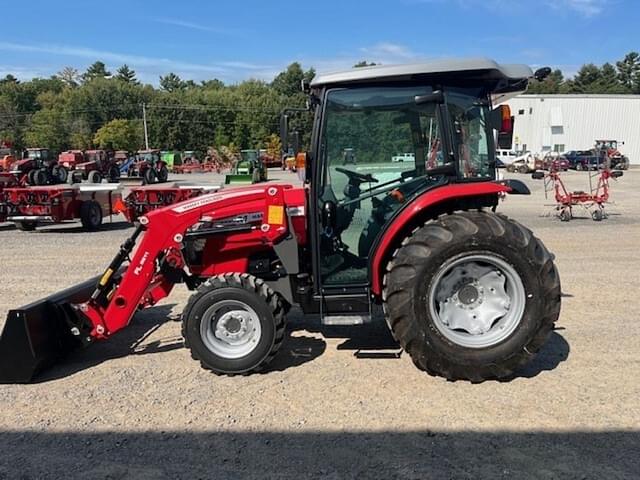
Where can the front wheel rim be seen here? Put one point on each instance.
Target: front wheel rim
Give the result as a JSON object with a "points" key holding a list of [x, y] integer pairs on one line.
{"points": [[230, 329], [476, 301]]}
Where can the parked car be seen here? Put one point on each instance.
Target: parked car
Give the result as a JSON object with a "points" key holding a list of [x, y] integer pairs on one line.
{"points": [[552, 161], [404, 157], [506, 156], [583, 159]]}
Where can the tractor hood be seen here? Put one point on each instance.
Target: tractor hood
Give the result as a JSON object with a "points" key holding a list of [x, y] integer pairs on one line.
{"points": [[230, 203], [23, 164]]}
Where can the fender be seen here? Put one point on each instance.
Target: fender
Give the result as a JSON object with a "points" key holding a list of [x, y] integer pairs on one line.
{"points": [[391, 236]]}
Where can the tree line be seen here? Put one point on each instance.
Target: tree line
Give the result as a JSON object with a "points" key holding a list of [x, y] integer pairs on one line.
{"points": [[102, 109], [621, 78]]}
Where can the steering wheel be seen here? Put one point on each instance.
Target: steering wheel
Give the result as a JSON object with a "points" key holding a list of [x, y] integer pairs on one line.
{"points": [[358, 177]]}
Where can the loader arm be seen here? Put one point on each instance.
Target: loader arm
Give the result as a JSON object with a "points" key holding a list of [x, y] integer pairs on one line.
{"points": [[159, 237]]}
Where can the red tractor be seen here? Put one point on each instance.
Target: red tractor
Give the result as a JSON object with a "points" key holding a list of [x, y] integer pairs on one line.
{"points": [[608, 149], [97, 165], [149, 166], [467, 293], [39, 168]]}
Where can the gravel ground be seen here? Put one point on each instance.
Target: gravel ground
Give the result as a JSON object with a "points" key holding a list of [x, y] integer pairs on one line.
{"points": [[137, 406]]}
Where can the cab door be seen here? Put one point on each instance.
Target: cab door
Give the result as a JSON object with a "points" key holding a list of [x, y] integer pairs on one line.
{"points": [[358, 186]]}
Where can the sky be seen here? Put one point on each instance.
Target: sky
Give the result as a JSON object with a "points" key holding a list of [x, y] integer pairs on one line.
{"points": [[241, 39]]}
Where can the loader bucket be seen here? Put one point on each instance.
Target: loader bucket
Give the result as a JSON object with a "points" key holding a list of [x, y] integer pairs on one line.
{"points": [[238, 179], [37, 335]]}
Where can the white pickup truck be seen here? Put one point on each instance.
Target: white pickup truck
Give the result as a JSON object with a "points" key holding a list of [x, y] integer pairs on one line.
{"points": [[404, 157]]}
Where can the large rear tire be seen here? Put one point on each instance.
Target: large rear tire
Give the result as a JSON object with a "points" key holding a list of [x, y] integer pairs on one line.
{"points": [[471, 296], [149, 176], [41, 177], [114, 174], [163, 174], [233, 324], [94, 176]]}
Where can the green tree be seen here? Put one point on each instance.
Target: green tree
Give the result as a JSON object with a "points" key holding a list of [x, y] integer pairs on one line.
{"points": [[69, 76], [214, 84], [629, 71], [289, 82], [48, 129], [9, 79], [119, 134], [96, 70], [171, 82], [609, 82], [126, 74]]}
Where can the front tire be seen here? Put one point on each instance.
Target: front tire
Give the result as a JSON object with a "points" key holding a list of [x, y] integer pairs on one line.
{"points": [[471, 296], [233, 324]]}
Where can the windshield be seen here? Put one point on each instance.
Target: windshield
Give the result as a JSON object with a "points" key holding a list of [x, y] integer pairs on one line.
{"points": [[472, 136], [380, 131]]}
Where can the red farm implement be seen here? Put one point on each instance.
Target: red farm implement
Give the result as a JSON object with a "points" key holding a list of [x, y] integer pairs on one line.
{"points": [[592, 201], [142, 200], [29, 207]]}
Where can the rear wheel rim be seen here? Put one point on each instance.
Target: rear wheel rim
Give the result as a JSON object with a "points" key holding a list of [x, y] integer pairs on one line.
{"points": [[230, 329], [476, 301]]}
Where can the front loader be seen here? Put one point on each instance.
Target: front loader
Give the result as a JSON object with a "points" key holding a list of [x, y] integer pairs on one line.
{"points": [[467, 293]]}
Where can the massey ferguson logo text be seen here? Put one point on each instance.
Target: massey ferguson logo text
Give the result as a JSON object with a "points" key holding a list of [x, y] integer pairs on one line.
{"points": [[138, 269]]}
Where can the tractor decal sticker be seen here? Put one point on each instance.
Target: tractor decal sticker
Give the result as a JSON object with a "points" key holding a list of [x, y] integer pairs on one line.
{"points": [[275, 214], [210, 198], [138, 269]]}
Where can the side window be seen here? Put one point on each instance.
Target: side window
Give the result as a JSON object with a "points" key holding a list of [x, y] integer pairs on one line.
{"points": [[472, 135]]}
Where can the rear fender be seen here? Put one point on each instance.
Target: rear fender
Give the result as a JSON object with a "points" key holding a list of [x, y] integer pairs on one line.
{"points": [[428, 206]]}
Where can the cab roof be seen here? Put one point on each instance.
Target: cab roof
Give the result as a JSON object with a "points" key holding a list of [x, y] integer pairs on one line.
{"points": [[482, 69]]}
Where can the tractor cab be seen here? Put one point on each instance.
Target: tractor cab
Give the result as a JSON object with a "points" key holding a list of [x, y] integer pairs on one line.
{"points": [[442, 114]]}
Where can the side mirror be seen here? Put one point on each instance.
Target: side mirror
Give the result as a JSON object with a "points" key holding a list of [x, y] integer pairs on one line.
{"points": [[537, 175], [329, 215], [542, 73], [617, 174]]}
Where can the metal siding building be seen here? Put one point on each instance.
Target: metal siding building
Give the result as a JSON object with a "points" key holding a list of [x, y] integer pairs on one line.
{"points": [[575, 122]]}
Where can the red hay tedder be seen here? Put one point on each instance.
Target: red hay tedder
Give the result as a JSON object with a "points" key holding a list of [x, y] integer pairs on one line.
{"points": [[592, 201]]}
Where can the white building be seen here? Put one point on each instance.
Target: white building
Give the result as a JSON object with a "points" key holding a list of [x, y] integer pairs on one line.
{"points": [[574, 122]]}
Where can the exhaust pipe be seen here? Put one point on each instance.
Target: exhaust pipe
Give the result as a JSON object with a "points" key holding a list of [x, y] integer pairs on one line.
{"points": [[39, 334]]}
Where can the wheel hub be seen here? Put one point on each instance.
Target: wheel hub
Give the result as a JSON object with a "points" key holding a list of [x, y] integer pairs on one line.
{"points": [[477, 301], [234, 327], [468, 294], [230, 329]]}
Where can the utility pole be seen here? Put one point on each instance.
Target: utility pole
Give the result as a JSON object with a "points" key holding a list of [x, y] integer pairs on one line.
{"points": [[144, 121]]}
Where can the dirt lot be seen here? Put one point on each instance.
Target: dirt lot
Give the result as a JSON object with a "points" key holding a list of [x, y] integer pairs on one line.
{"points": [[139, 407]]}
